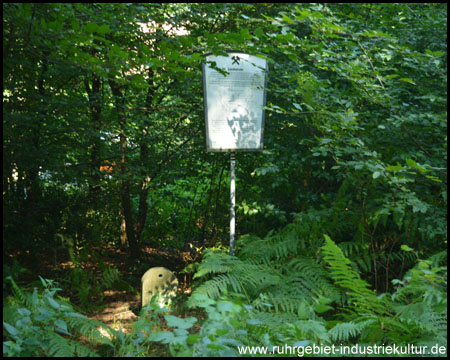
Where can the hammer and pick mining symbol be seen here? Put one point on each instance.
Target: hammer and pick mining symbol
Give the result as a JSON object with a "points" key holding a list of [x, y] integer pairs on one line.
{"points": [[235, 60]]}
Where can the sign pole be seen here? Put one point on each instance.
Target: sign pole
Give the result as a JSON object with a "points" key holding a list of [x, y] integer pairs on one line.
{"points": [[234, 88], [232, 202]]}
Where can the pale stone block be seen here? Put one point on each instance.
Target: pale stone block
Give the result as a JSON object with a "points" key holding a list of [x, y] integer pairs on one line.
{"points": [[159, 281]]}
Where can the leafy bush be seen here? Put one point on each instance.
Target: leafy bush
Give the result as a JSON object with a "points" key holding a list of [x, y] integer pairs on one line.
{"points": [[138, 342], [42, 324], [229, 324]]}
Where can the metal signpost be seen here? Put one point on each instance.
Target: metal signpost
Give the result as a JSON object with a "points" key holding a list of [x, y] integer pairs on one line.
{"points": [[234, 89]]}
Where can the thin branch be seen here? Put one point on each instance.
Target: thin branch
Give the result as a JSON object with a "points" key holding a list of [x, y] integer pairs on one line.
{"points": [[371, 64], [215, 22], [31, 23]]}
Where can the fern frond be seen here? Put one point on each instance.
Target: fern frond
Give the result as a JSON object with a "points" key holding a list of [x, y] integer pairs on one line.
{"points": [[439, 259], [274, 246], [289, 286], [82, 350], [18, 293], [365, 262], [344, 331], [350, 248], [88, 328], [109, 277], [281, 303], [314, 278], [215, 287], [362, 298], [245, 279], [234, 275], [423, 317], [215, 262], [314, 330], [59, 346]]}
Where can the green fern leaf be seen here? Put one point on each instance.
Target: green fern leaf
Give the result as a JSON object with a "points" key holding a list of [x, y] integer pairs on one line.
{"points": [[344, 331], [362, 298]]}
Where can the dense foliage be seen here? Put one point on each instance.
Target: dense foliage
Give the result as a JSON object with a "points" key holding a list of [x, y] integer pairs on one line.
{"points": [[342, 218]]}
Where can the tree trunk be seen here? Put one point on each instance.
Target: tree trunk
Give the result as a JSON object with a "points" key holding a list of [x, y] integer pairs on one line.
{"points": [[95, 104], [129, 236]]}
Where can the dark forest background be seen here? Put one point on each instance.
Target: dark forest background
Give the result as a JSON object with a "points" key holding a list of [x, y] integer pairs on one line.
{"points": [[104, 157]]}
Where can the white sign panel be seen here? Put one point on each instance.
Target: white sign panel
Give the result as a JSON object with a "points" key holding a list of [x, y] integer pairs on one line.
{"points": [[234, 102]]}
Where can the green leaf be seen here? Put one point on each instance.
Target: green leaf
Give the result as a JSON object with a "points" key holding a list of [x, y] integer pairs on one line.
{"points": [[104, 29], [24, 312], [91, 27], [192, 339], [227, 306], [287, 19], [408, 80], [164, 337], [406, 248], [394, 168], [321, 308], [392, 76], [77, 315], [11, 329], [420, 206], [245, 34], [174, 321], [61, 327], [53, 303], [412, 163], [34, 297]]}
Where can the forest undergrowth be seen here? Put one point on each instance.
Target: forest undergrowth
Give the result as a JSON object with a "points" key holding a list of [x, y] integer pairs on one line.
{"points": [[295, 286]]}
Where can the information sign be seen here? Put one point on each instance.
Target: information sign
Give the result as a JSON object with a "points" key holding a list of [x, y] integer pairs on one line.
{"points": [[234, 94]]}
